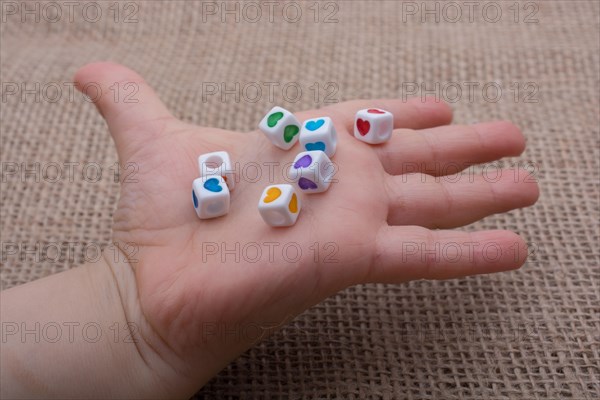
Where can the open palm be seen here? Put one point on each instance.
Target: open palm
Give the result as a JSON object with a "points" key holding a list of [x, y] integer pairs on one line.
{"points": [[192, 283]]}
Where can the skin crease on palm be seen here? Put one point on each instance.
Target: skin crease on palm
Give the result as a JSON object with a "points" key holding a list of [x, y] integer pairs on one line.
{"points": [[370, 214]]}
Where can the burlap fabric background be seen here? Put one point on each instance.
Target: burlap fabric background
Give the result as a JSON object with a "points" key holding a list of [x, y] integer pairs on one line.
{"points": [[528, 334]]}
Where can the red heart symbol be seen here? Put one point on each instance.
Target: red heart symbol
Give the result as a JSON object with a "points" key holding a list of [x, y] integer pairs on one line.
{"points": [[375, 111], [363, 126]]}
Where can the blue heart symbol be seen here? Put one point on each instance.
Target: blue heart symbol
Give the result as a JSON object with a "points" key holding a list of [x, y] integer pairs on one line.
{"points": [[195, 199], [315, 146], [212, 185], [314, 125]]}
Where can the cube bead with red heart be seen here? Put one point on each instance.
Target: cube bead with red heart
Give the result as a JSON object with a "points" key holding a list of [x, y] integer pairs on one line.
{"points": [[373, 125]]}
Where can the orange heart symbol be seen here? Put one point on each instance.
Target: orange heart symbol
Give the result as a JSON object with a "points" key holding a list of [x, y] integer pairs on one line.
{"points": [[293, 204], [272, 194]]}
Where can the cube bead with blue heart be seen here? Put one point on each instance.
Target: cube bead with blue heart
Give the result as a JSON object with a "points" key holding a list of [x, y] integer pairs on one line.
{"points": [[312, 171], [217, 163], [281, 127], [319, 134], [210, 196], [373, 125]]}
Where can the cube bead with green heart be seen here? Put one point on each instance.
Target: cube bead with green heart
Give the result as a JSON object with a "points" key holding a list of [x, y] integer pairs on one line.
{"points": [[281, 127]]}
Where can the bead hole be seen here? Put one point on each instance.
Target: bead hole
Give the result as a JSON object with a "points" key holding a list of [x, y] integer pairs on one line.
{"points": [[214, 162]]}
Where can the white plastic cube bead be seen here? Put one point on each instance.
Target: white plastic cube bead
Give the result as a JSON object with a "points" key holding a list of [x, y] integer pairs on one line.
{"points": [[312, 171], [210, 197], [373, 125], [217, 164], [319, 134], [279, 205], [281, 127]]}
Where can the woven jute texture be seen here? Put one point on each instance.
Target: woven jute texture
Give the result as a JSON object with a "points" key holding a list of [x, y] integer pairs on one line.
{"points": [[528, 334]]}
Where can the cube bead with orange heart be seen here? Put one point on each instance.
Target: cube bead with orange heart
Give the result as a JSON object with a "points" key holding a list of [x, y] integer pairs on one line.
{"points": [[279, 205]]}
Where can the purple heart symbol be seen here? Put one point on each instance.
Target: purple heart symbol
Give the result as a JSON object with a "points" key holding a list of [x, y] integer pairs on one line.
{"points": [[306, 184], [303, 162]]}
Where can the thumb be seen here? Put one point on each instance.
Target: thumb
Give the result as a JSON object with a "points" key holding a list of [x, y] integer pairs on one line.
{"points": [[130, 107]]}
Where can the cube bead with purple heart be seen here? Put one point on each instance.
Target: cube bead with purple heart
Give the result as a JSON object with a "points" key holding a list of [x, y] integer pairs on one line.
{"points": [[373, 125], [217, 163], [281, 127], [210, 197], [312, 171], [319, 134]]}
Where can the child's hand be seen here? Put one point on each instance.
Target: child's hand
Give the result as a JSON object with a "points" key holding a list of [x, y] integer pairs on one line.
{"points": [[196, 283]]}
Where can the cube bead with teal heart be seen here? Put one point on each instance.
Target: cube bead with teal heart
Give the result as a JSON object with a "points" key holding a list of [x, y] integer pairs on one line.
{"points": [[319, 134]]}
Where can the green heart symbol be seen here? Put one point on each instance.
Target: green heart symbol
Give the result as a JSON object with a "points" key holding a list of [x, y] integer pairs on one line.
{"points": [[274, 118], [289, 132]]}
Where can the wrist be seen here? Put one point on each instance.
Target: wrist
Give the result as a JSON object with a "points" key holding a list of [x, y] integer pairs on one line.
{"points": [[70, 335]]}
